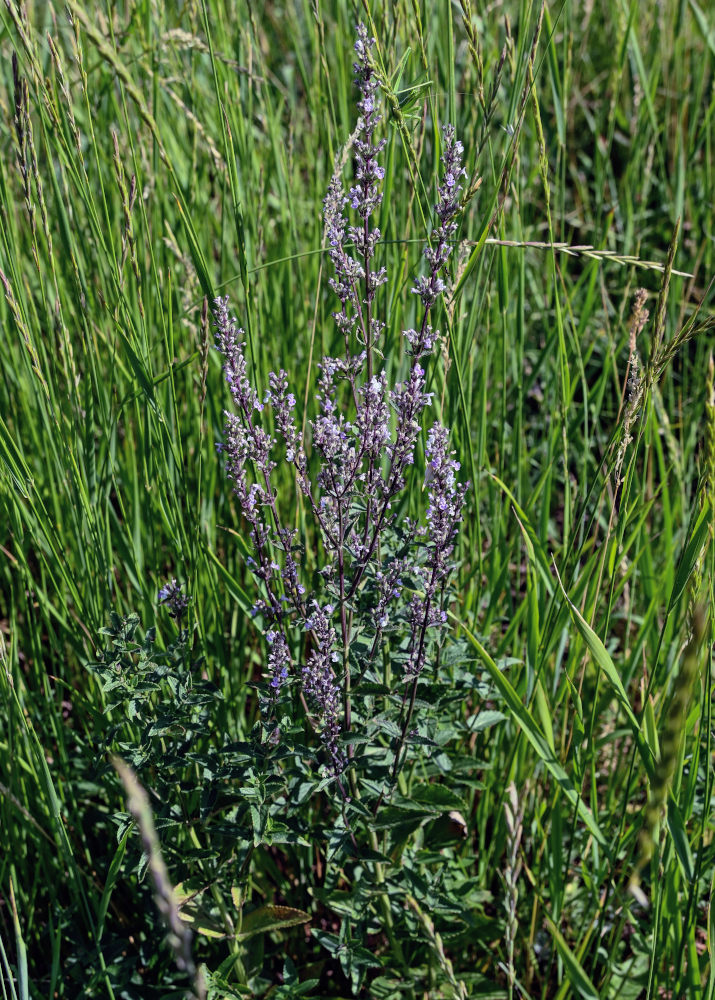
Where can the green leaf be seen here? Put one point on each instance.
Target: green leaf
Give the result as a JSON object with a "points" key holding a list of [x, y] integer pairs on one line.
{"points": [[200, 922], [691, 553], [197, 256], [572, 967], [534, 735], [372, 688], [388, 726], [707, 29], [650, 728], [535, 550], [602, 659], [270, 918], [437, 797], [111, 881], [606, 665], [483, 720], [234, 588], [680, 839], [401, 818]]}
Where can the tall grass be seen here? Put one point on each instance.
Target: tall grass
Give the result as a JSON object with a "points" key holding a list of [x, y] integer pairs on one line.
{"points": [[155, 156]]}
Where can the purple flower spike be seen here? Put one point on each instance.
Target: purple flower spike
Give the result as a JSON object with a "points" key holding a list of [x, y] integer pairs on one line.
{"points": [[278, 660], [444, 515], [176, 601], [431, 286], [320, 685]]}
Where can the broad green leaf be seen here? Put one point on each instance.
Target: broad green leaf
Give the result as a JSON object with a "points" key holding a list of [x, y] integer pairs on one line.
{"points": [[707, 28], [544, 712], [535, 548], [234, 588], [111, 881], [270, 918], [23, 980], [185, 892], [650, 728], [483, 720], [602, 658], [437, 797]]}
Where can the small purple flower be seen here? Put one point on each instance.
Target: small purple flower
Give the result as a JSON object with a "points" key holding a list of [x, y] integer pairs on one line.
{"points": [[172, 595], [283, 405], [372, 420], [408, 400], [446, 497], [430, 287], [278, 660], [348, 272], [365, 196], [320, 684], [446, 500], [421, 342], [229, 341]]}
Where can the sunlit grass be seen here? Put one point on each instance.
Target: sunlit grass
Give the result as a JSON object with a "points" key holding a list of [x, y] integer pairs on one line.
{"points": [[154, 156]]}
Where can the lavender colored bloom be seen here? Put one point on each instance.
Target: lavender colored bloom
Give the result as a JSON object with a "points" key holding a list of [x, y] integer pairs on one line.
{"points": [[429, 287], [421, 342], [248, 449], [366, 196], [278, 660], [408, 400], [348, 272], [446, 496], [444, 515], [229, 338], [389, 588], [372, 420], [283, 404], [320, 684], [176, 601]]}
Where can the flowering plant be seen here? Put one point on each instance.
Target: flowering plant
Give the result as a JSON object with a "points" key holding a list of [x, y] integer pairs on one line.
{"points": [[359, 644], [383, 585]]}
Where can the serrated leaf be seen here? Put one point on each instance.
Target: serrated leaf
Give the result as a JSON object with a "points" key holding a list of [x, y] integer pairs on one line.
{"points": [[403, 818], [437, 797], [187, 891], [371, 688], [111, 881], [200, 923], [367, 854], [387, 726]]}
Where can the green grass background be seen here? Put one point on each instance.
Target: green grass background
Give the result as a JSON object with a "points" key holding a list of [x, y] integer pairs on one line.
{"points": [[182, 151]]}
